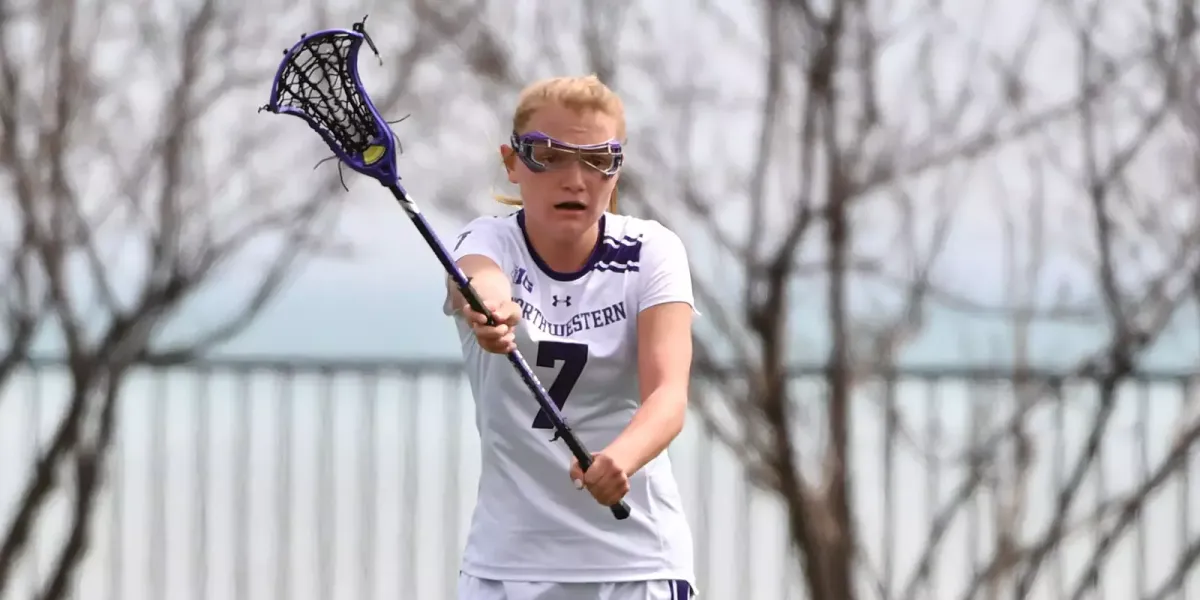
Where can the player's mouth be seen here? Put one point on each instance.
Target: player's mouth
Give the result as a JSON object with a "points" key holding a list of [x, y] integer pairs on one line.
{"points": [[571, 206]]}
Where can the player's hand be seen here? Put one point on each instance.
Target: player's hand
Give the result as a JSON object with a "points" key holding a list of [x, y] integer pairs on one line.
{"points": [[499, 339], [605, 479]]}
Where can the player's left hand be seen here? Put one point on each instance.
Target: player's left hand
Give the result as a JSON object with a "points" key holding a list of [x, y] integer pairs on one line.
{"points": [[605, 479]]}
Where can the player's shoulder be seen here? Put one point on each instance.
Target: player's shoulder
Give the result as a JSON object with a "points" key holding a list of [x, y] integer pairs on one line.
{"points": [[625, 230], [493, 223], [635, 228], [495, 237]]}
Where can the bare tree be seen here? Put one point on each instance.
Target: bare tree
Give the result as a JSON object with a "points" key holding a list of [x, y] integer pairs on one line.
{"points": [[822, 173], [1145, 263], [137, 178]]}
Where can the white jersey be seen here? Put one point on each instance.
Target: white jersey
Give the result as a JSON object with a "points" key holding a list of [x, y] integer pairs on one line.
{"points": [[578, 333]]}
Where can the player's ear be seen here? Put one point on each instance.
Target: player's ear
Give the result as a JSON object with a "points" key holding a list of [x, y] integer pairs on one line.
{"points": [[509, 157]]}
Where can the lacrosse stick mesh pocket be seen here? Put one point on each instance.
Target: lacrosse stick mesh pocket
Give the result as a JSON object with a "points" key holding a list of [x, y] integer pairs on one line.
{"points": [[319, 81]]}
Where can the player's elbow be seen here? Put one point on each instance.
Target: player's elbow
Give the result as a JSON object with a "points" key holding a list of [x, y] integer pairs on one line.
{"points": [[668, 403], [675, 409], [664, 363]]}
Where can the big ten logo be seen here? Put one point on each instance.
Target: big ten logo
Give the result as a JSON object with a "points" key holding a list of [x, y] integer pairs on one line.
{"points": [[520, 277]]}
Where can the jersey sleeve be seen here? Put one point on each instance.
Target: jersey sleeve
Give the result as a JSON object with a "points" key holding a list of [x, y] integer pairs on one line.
{"points": [[666, 276], [483, 236]]}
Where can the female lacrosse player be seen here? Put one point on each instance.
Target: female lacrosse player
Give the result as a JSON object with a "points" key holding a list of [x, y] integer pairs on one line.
{"points": [[601, 306]]}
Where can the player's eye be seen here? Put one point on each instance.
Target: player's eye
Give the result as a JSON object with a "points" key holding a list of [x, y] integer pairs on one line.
{"points": [[601, 161], [549, 156]]}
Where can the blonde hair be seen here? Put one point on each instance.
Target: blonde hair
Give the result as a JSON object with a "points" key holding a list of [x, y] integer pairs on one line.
{"points": [[575, 93]]}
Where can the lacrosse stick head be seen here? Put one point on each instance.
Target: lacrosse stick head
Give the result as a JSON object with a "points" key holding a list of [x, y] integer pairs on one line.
{"points": [[318, 81]]}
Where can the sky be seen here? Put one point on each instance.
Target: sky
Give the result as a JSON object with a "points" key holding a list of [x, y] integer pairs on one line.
{"points": [[384, 303]]}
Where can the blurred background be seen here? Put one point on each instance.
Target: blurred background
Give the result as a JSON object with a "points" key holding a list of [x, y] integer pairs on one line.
{"points": [[945, 252]]}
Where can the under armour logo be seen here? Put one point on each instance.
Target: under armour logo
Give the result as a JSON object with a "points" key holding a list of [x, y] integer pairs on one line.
{"points": [[565, 300]]}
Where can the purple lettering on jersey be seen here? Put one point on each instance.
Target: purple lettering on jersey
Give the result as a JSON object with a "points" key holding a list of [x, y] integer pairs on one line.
{"points": [[520, 278], [583, 321]]}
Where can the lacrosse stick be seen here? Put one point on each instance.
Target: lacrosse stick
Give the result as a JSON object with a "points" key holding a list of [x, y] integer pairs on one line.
{"points": [[318, 81]]}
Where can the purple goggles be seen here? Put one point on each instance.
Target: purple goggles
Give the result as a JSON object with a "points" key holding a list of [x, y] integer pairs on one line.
{"points": [[542, 153]]}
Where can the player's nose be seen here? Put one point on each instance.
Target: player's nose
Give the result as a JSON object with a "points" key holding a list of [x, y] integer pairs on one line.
{"points": [[572, 177]]}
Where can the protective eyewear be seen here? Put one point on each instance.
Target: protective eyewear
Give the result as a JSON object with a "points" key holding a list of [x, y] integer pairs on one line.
{"points": [[542, 153]]}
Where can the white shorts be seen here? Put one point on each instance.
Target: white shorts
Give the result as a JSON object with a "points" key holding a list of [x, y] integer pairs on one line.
{"points": [[473, 588]]}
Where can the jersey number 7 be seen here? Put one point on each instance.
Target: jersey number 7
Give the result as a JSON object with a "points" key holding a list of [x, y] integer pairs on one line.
{"points": [[574, 357]]}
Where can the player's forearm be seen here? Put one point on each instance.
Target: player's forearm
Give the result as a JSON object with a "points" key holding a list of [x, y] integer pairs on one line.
{"points": [[486, 277], [654, 426]]}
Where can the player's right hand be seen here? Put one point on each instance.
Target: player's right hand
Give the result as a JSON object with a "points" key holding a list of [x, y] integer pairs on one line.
{"points": [[500, 338]]}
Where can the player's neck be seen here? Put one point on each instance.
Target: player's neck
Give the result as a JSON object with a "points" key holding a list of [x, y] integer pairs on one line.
{"points": [[565, 256]]}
